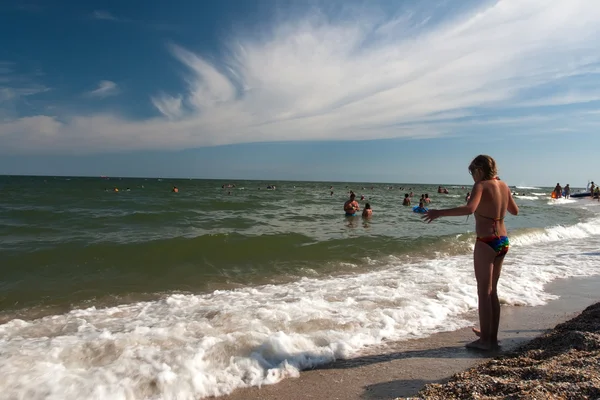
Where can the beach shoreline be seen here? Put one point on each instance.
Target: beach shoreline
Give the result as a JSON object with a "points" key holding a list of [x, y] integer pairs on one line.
{"points": [[406, 367]]}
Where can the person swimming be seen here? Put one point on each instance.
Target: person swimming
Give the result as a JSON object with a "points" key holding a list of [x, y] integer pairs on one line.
{"points": [[367, 212], [421, 207], [175, 189], [406, 201]]}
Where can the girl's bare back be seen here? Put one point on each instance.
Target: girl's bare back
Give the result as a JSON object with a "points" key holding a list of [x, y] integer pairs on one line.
{"points": [[492, 208]]}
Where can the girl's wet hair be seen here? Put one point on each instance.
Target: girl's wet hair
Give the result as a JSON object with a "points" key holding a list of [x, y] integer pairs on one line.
{"points": [[485, 164], [367, 206]]}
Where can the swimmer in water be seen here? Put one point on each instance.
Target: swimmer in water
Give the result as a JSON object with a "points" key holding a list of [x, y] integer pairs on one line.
{"points": [[406, 201], [367, 212], [421, 208], [175, 189], [351, 206]]}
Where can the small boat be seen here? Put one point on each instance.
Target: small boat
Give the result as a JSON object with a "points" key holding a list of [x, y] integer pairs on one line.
{"points": [[580, 194], [586, 193]]}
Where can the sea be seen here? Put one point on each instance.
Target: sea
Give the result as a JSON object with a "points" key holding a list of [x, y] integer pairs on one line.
{"points": [[149, 294]]}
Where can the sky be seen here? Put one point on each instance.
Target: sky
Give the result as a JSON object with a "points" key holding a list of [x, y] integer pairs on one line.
{"points": [[354, 90]]}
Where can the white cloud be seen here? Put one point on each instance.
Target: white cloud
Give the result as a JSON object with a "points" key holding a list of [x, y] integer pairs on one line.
{"points": [[104, 89], [169, 106], [6, 67], [355, 78], [561, 99], [104, 15]]}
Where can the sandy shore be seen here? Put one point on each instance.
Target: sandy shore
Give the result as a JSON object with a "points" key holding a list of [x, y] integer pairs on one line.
{"points": [[561, 364], [403, 369]]}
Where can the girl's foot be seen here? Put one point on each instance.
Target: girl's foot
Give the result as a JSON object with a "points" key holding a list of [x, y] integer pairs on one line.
{"points": [[477, 333], [479, 345]]}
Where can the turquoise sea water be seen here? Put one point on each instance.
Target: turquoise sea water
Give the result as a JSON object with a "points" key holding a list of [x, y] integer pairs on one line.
{"points": [[243, 277]]}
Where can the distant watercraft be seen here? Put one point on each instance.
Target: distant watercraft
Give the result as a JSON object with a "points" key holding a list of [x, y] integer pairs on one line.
{"points": [[580, 194]]}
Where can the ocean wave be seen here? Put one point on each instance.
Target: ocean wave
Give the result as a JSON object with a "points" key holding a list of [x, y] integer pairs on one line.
{"points": [[527, 187], [196, 346], [558, 233], [560, 201]]}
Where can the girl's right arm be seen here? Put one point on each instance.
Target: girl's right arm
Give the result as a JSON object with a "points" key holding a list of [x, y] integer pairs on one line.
{"points": [[512, 208]]}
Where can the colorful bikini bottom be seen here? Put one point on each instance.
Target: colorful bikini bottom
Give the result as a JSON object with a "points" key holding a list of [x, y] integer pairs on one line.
{"points": [[499, 244]]}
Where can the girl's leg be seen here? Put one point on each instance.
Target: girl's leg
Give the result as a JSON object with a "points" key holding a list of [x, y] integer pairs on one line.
{"points": [[495, 302], [483, 260]]}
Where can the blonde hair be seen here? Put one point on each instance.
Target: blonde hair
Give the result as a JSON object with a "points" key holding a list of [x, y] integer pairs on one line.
{"points": [[486, 164]]}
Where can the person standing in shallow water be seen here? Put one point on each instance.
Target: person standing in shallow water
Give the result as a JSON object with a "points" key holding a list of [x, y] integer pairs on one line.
{"points": [[351, 206], [490, 200]]}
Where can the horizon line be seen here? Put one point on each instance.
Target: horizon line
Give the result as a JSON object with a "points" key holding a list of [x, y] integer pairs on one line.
{"points": [[242, 179]]}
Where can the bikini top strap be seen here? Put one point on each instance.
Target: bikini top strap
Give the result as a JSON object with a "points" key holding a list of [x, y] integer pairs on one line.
{"points": [[495, 221], [490, 218]]}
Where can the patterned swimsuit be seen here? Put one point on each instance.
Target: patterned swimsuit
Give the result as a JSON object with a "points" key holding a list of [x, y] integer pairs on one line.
{"points": [[499, 244]]}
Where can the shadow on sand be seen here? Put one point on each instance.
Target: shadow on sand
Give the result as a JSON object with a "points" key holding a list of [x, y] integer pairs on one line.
{"points": [[440, 352], [389, 390]]}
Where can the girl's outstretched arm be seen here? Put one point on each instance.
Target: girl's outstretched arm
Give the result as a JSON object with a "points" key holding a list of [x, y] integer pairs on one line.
{"points": [[467, 209]]}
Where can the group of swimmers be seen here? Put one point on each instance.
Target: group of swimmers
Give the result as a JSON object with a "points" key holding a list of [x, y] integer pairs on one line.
{"points": [[422, 202], [351, 207], [565, 192], [116, 189], [559, 191]]}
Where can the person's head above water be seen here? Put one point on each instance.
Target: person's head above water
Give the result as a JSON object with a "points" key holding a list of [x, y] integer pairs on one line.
{"points": [[484, 166], [405, 195], [368, 206]]}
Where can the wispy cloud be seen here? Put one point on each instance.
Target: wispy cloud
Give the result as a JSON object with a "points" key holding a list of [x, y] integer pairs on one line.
{"points": [[106, 16], [103, 15], [353, 78], [104, 89], [169, 106], [14, 85], [573, 97], [6, 67], [32, 8]]}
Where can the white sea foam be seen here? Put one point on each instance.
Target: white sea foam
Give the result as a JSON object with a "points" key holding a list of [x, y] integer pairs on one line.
{"points": [[527, 187], [539, 194], [526, 197], [560, 201], [194, 346]]}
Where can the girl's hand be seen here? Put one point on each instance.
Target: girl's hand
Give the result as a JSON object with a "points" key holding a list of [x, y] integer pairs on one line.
{"points": [[430, 215]]}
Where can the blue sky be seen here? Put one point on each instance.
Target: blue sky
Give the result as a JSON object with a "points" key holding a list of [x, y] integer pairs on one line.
{"points": [[381, 91]]}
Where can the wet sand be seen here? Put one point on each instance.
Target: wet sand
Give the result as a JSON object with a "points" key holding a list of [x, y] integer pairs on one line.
{"points": [[561, 364], [404, 368]]}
